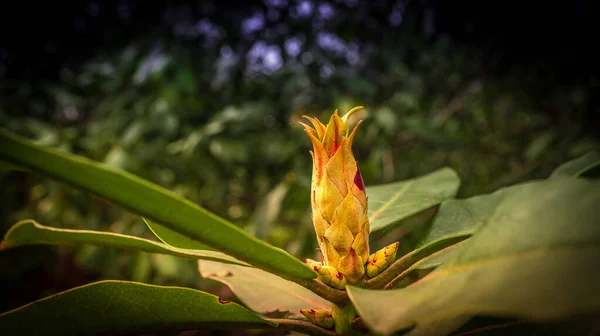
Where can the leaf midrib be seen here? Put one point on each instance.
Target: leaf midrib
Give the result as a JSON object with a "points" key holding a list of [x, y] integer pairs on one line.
{"points": [[400, 192]]}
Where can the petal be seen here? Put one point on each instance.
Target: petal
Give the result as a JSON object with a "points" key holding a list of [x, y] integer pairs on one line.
{"points": [[327, 197], [352, 266], [336, 129], [319, 127], [340, 237], [361, 244], [358, 188], [351, 137], [351, 112], [319, 155], [321, 225], [330, 255], [349, 213]]}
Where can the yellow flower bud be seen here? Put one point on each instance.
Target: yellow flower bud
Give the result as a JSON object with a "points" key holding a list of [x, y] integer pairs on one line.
{"points": [[338, 197], [322, 318], [381, 259], [328, 275]]}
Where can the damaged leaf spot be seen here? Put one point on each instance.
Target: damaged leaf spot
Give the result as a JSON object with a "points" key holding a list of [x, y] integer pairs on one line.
{"points": [[223, 301]]}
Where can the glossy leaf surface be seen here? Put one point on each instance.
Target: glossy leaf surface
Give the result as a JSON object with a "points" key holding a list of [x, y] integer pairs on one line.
{"points": [[117, 307], [390, 203], [535, 257], [261, 291], [29, 232], [151, 201]]}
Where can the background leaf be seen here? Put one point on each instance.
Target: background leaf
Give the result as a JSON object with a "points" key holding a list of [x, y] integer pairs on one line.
{"points": [[153, 202], [579, 166], [535, 258], [462, 217], [173, 238], [392, 202], [29, 232], [261, 291], [108, 307]]}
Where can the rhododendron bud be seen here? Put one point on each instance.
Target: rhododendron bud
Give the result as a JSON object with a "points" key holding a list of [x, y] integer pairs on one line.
{"points": [[381, 259], [338, 197], [322, 318]]}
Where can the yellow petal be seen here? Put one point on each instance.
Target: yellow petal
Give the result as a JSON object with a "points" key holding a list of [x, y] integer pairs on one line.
{"points": [[327, 197], [336, 129], [351, 112], [321, 225], [358, 188], [352, 266], [349, 214], [335, 169], [330, 255], [319, 127], [341, 167], [340, 237], [361, 244]]}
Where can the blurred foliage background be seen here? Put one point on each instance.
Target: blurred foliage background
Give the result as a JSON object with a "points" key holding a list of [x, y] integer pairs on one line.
{"points": [[203, 98]]}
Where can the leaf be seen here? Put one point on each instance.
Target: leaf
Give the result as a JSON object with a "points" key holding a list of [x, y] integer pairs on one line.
{"points": [[579, 166], [392, 202], [535, 258], [261, 291], [462, 217], [108, 307], [29, 232], [457, 220], [7, 166], [153, 202], [417, 270], [268, 209], [173, 238]]}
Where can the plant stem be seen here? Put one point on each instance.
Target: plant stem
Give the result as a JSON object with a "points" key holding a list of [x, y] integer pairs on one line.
{"points": [[408, 260], [301, 326], [343, 315], [410, 271]]}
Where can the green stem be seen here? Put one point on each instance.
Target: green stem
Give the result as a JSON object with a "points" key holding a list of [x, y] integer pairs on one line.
{"points": [[408, 260], [343, 315]]}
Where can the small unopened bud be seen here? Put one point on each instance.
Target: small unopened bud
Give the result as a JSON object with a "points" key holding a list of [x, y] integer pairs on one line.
{"points": [[322, 318], [381, 259], [329, 276], [312, 263]]}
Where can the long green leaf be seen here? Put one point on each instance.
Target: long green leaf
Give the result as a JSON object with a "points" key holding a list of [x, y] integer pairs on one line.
{"points": [[390, 203], [152, 202], [579, 166], [111, 307], [454, 221], [534, 258], [29, 232], [173, 238], [261, 291], [462, 217]]}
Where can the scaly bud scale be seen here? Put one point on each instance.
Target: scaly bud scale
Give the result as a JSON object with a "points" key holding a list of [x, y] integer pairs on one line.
{"points": [[339, 201]]}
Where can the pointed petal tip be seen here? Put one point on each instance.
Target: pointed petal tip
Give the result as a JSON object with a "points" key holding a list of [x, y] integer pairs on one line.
{"points": [[351, 112]]}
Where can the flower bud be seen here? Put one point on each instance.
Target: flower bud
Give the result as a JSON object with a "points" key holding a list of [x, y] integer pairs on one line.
{"points": [[381, 259], [322, 318], [338, 197]]}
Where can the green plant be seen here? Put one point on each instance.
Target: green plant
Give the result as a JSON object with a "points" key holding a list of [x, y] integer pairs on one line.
{"points": [[526, 251]]}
